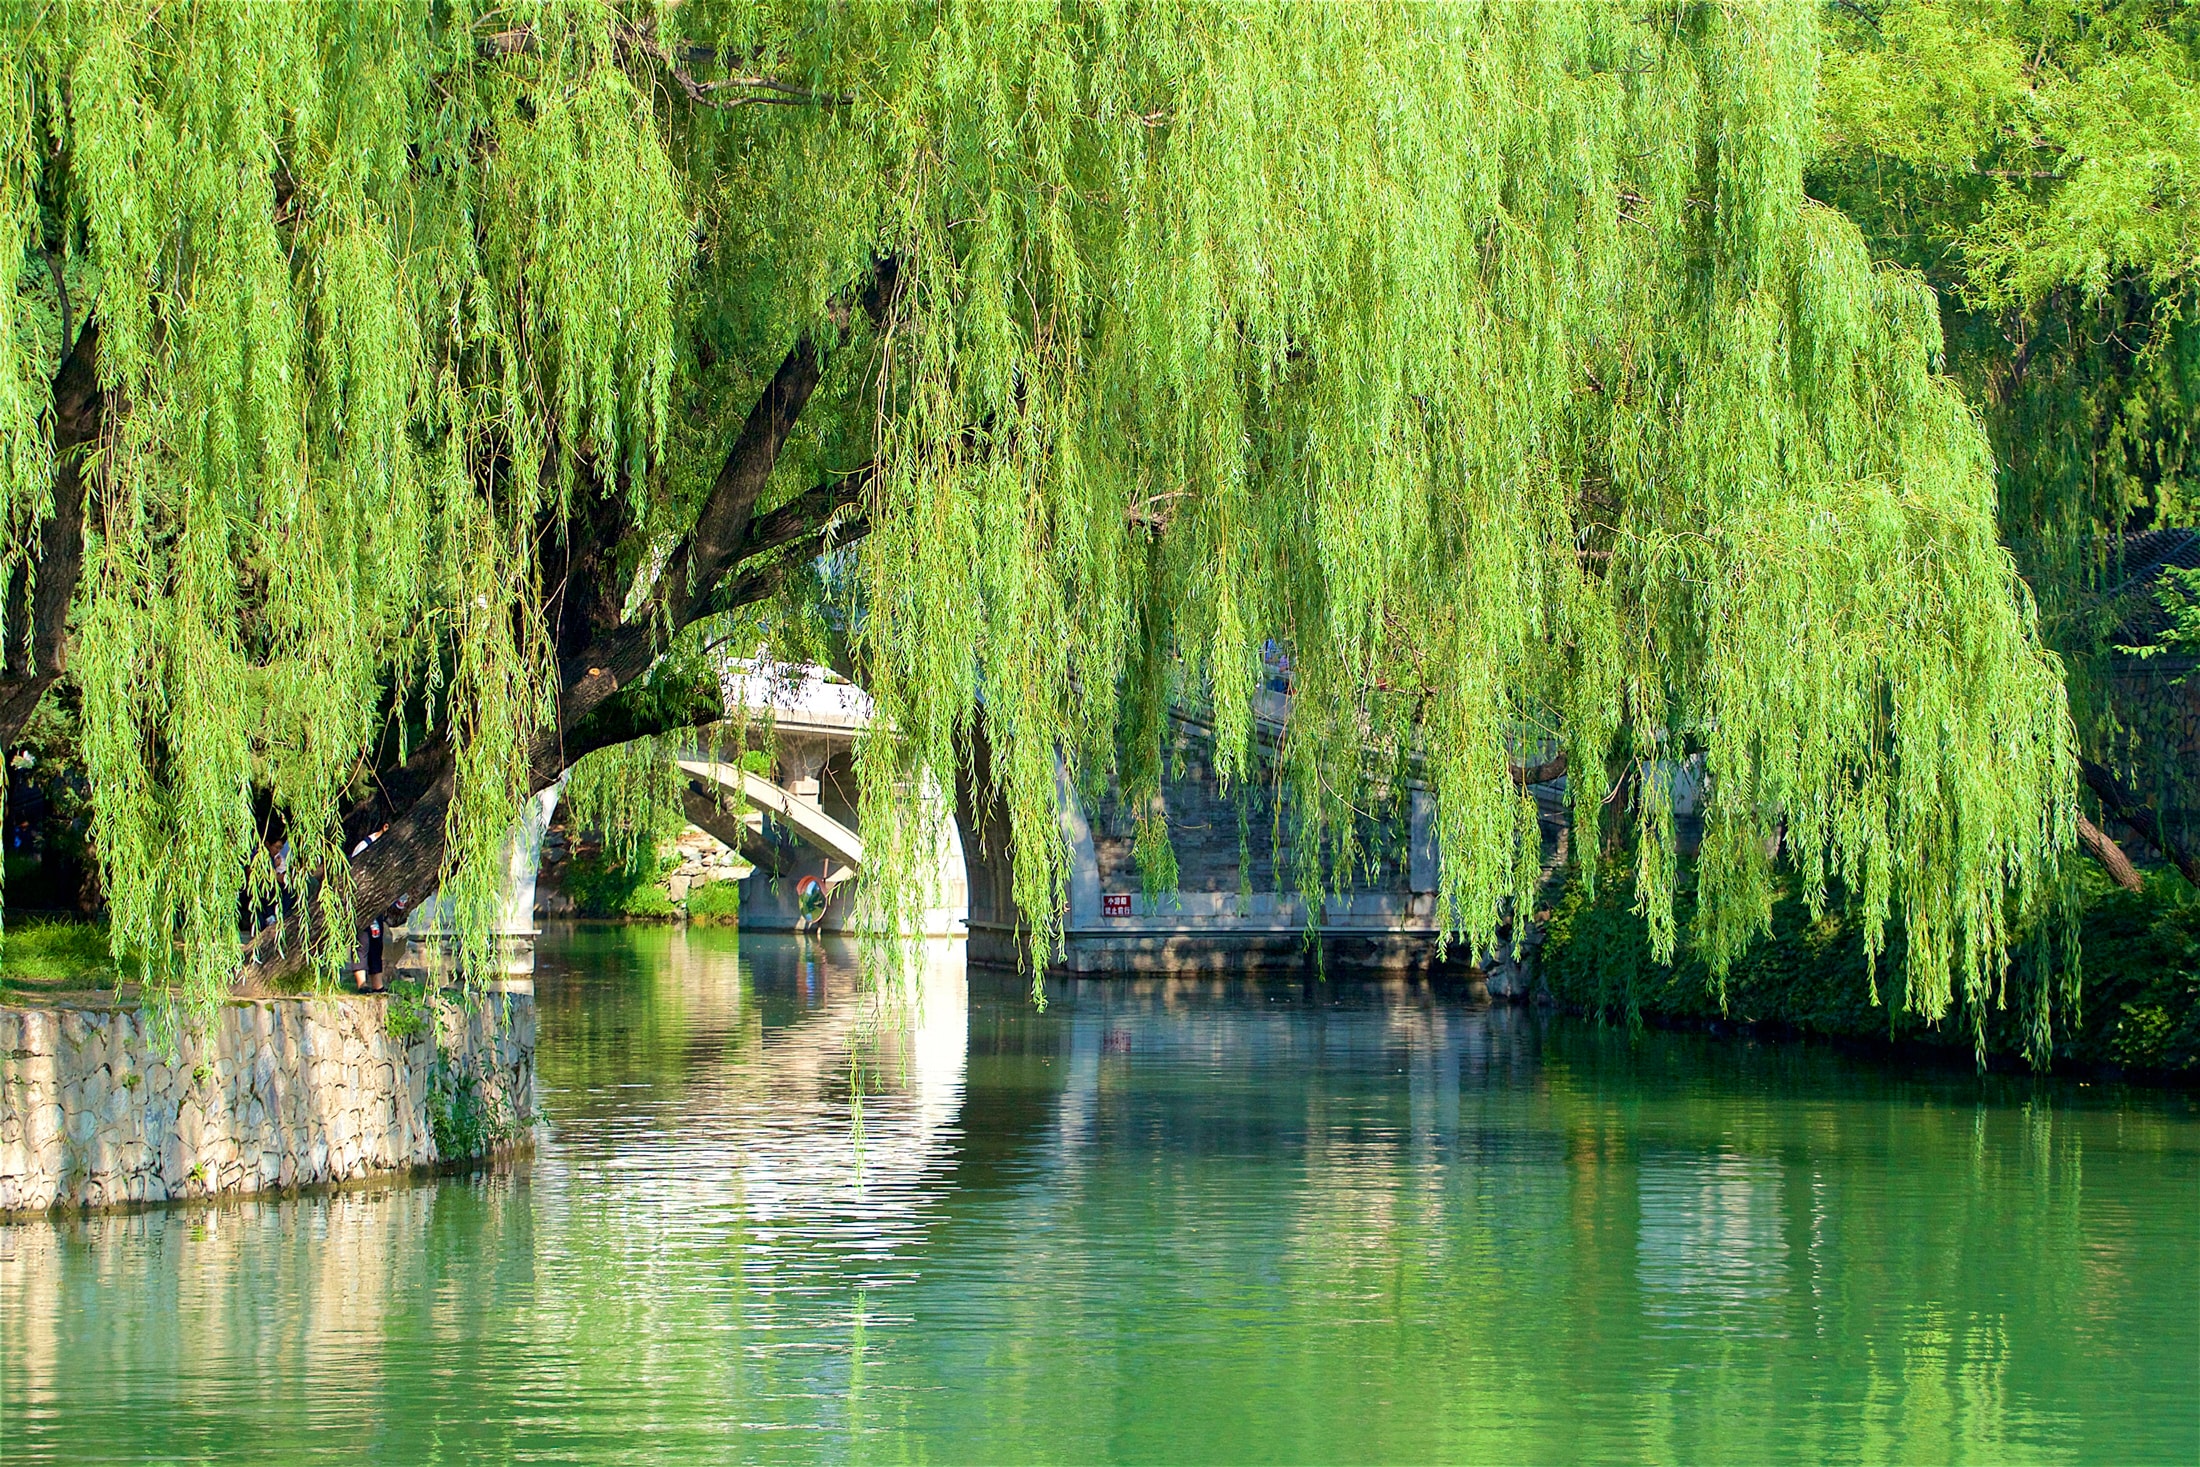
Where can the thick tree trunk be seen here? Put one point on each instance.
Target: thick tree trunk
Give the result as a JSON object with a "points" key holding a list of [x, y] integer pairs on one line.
{"points": [[620, 654], [1550, 769], [408, 859], [601, 654], [37, 621]]}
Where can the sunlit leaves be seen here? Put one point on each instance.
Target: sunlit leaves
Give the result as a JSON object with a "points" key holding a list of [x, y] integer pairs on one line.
{"points": [[1488, 359]]}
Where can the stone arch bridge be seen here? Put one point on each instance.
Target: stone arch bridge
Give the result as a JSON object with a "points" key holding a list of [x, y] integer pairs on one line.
{"points": [[1232, 909]]}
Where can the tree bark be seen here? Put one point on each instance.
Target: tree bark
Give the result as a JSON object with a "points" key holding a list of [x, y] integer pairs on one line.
{"points": [[39, 615], [1550, 769], [600, 654], [2122, 804], [2101, 848], [720, 539], [411, 803]]}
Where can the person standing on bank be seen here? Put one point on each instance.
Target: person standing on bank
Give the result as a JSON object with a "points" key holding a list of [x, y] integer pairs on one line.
{"points": [[371, 980]]}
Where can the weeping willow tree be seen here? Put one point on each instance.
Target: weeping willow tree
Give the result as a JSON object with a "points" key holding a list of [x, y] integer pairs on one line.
{"points": [[453, 377], [2038, 163]]}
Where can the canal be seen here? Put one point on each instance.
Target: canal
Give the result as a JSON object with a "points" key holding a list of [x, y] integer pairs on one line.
{"points": [[775, 1217]]}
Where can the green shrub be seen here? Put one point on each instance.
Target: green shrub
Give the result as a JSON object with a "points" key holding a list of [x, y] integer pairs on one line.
{"points": [[2139, 1002], [50, 883], [25, 877], [462, 1122], [2142, 977], [601, 888], [652, 902], [716, 901], [406, 1014]]}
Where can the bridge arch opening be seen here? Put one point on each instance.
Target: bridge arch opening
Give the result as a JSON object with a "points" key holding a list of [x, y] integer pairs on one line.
{"points": [[799, 825]]}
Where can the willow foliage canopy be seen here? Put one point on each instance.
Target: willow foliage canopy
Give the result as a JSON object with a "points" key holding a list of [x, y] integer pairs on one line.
{"points": [[2040, 162], [456, 367]]}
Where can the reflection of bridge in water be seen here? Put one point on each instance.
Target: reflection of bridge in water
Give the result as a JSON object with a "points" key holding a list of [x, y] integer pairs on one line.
{"points": [[780, 1109]]}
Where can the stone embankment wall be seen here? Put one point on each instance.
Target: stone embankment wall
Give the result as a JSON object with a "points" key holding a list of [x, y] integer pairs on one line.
{"points": [[276, 1094]]}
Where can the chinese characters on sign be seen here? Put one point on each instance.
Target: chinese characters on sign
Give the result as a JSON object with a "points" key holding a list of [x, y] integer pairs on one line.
{"points": [[1116, 904]]}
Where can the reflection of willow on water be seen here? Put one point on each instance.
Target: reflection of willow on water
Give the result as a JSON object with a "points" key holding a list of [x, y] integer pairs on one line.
{"points": [[1736, 1196], [736, 1197], [634, 1000], [739, 1179], [199, 1281]]}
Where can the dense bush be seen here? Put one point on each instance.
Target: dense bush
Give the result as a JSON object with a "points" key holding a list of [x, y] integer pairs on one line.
{"points": [[609, 888], [409, 1011], [2138, 1007], [463, 1121], [2142, 977], [714, 901]]}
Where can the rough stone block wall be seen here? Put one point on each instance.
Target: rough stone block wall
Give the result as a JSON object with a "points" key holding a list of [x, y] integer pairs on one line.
{"points": [[276, 1094], [1204, 832]]}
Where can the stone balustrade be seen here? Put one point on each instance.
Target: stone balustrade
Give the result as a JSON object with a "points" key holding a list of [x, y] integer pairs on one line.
{"points": [[274, 1095]]}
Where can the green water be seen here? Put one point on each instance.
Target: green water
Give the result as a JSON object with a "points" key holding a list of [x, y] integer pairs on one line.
{"points": [[1177, 1221]]}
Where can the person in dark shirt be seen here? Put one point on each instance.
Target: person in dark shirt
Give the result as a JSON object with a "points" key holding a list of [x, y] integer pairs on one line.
{"points": [[372, 980]]}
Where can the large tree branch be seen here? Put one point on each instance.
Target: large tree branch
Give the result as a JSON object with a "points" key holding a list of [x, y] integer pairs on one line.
{"points": [[761, 583], [41, 615], [413, 798], [687, 588], [2122, 804], [618, 655], [601, 655], [402, 865], [636, 40], [1550, 769], [2111, 856], [808, 514], [721, 532], [396, 790]]}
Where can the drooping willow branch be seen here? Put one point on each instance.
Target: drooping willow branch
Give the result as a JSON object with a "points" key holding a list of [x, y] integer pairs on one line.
{"points": [[466, 374]]}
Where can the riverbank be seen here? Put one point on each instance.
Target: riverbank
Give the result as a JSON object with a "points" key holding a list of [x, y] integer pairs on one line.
{"points": [[2137, 1014], [96, 1110], [691, 876]]}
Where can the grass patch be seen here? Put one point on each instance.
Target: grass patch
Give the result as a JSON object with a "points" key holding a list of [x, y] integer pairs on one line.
{"points": [[43, 956]]}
